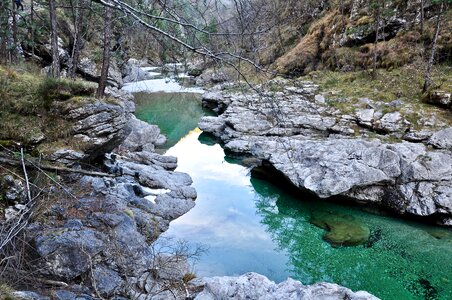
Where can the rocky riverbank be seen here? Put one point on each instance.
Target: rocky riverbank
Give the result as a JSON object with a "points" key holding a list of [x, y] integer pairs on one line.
{"points": [[92, 236], [368, 152]]}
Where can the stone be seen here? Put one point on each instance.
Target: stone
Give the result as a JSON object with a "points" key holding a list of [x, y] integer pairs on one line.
{"points": [[342, 230], [442, 139], [132, 71], [107, 281], [142, 136], [440, 98], [29, 295], [390, 122], [365, 117], [64, 295], [68, 253], [255, 286]]}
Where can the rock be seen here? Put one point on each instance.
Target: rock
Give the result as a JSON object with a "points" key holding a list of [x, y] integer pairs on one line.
{"points": [[64, 295], [320, 99], [390, 122], [89, 70], [29, 295], [442, 139], [255, 286], [107, 281], [313, 146], [210, 76], [418, 136], [68, 157], [132, 71], [342, 230], [68, 253], [365, 117], [440, 98], [142, 136], [13, 190]]}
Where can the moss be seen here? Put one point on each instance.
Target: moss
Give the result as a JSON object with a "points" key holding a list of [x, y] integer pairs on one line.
{"points": [[342, 230], [6, 293]]}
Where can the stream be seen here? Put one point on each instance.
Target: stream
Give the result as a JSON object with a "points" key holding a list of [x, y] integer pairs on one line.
{"points": [[249, 224]]}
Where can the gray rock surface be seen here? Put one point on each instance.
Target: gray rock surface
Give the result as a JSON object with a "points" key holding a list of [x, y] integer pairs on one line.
{"points": [[101, 239], [254, 286], [131, 71], [442, 139], [313, 145]]}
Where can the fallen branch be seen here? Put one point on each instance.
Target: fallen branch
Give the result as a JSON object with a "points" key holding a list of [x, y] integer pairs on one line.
{"points": [[27, 163], [25, 173]]}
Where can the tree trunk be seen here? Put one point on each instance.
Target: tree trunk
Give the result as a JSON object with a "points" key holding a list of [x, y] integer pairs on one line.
{"points": [[106, 53], [55, 68], [32, 28], [377, 29], [431, 60], [4, 32], [13, 49], [422, 17]]}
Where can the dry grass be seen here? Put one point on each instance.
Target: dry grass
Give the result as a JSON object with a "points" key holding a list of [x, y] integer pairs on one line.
{"points": [[27, 102]]}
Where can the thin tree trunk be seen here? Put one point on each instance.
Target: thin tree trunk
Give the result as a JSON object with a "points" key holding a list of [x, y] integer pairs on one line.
{"points": [[14, 31], [106, 53], [4, 32], [422, 17], [431, 60], [55, 68], [377, 29], [32, 28]]}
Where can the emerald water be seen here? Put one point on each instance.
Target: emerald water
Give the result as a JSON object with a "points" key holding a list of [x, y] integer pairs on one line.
{"points": [[252, 225]]}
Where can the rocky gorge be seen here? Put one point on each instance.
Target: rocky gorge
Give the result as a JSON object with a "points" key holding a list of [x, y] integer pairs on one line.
{"points": [[369, 152], [93, 237]]}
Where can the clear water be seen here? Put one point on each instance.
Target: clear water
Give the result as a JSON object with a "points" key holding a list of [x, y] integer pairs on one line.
{"points": [[252, 225]]}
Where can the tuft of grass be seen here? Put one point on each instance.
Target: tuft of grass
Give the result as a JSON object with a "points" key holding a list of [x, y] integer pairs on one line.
{"points": [[6, 293], [51, 89], [188, 277]]}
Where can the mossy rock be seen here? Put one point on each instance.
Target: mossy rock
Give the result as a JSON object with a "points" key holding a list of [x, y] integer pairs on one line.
{"points": [[342, 230]]}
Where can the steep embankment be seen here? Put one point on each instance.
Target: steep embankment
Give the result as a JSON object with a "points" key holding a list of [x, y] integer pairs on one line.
{"points": [[87, 234], [341, 36]]}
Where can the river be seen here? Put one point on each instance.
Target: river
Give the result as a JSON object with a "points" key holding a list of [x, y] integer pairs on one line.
{"points": [[249, 224]]}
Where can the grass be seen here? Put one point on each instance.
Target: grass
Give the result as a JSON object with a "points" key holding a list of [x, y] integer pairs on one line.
{"points": [[28, 102], [402, 83]]}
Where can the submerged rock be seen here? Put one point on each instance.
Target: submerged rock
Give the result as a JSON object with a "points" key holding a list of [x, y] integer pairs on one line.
{"points": [[342, 230]]}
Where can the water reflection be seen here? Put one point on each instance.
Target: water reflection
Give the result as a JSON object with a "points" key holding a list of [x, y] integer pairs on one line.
{"points": [[252, 225], [224, 218]]}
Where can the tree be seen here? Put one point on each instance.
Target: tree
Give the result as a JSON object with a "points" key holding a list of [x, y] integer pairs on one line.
{"points": [[55, 68], [106, 52], [4, 32], [431, 60]]}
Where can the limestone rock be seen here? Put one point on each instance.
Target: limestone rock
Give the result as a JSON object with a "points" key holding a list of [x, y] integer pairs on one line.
{"points": [[255, 286], [442, 139], [142, 136], [440, 98]]}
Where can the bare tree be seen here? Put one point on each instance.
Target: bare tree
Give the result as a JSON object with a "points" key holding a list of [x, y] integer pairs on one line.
{"points": [[106, 52], [55, 68], [431, 60], [4, 32]]}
